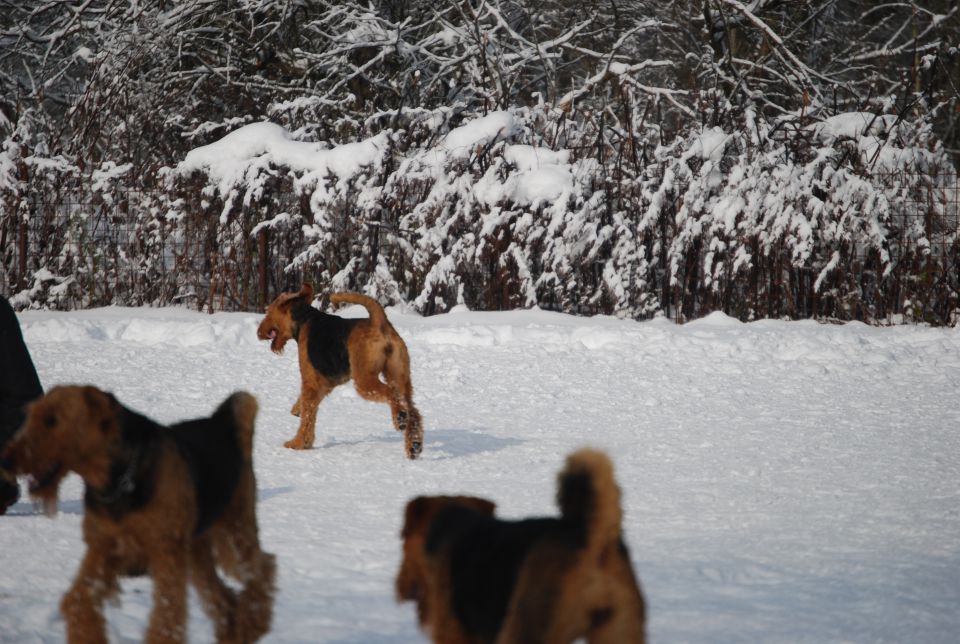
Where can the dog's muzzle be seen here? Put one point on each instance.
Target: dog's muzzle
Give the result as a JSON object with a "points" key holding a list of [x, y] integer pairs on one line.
{"points": [[37, 482]]}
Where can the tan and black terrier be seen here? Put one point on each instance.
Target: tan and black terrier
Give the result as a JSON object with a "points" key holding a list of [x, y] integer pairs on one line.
{"points": [[476, 578], [173, 502], [333, 350]]}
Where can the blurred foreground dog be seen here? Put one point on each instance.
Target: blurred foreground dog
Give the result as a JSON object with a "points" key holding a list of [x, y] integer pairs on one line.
{"points": [[476, 578], [172, 502], [332, 350]]}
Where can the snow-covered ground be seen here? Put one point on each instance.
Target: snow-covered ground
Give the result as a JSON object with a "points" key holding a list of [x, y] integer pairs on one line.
{"points": [[783, 482]]}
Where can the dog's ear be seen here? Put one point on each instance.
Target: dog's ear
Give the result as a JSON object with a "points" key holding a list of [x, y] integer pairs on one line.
{"points": [[421, 510], [306, 292], [101, 404], [417, 512], [480, 505]]}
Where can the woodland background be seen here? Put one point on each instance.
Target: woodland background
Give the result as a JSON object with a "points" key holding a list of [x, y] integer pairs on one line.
{"points": [[765, 158]]}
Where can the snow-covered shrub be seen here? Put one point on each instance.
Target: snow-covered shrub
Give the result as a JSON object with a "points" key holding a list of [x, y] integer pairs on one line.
{"points": [[765, 159], [816, 227]]}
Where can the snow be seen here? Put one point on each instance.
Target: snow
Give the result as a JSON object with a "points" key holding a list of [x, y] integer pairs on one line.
{"points": [[248, 150], [461, 142], [782, 481], [541, 176], [709, 144], [853, 125], [528, 157], [85, 54]]}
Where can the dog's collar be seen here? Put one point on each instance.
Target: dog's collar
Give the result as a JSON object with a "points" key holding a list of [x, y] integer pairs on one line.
{"points": [[122, 485], [300, 313]]}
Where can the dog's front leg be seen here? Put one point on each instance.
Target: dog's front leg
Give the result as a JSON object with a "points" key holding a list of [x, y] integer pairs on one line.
{"points": [[82, 605], [168, 568], [310, 397], [295, 410]]}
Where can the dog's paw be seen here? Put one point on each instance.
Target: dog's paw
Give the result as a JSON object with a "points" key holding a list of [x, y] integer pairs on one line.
{"points": [[414, 450], [296, 443], [402, 418]]}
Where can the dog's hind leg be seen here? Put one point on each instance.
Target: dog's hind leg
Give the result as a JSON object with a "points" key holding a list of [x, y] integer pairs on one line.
{"points": [[413, 433], [370, 387], [400, 407], [239, 555], [406, 417], [396, 372], [218, 600], [82, 605], [256, 599], [168, 620]]}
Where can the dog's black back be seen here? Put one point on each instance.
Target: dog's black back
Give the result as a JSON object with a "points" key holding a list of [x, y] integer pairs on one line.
{"points": [[209, 446], [326, 339], [212, 451], [485, 557]]}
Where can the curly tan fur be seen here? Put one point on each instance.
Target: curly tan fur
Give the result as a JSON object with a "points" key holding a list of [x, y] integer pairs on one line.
{"points": [[559, 579], [148, 522], [333, 350]]}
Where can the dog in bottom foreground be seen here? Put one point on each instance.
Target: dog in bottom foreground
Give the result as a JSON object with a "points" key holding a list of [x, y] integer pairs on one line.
{"points": [[172, 502], [476, 578]]}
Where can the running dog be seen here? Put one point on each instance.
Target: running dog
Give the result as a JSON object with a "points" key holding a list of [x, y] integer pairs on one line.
{"points": [[478, 579], [333, 350], [171, 502]]}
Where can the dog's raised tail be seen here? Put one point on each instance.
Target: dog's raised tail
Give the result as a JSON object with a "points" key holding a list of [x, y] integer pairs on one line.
{"points": [[243, 407], [374, 310], [588, 494]]}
